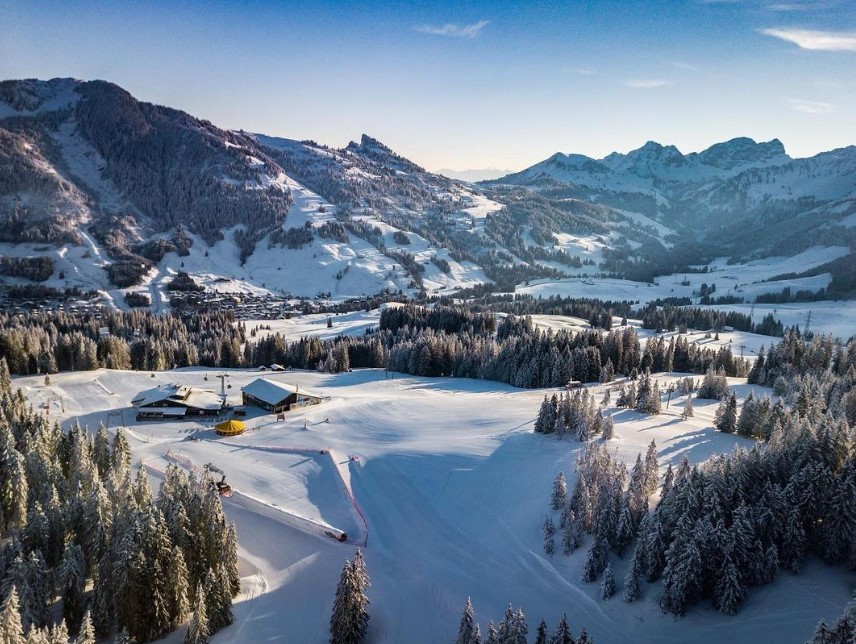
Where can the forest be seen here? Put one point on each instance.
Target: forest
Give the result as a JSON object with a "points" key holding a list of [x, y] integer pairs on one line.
{"points": [[90, 550]]}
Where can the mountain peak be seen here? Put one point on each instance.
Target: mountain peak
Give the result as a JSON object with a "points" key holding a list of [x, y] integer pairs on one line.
{"points": [[373, 149], [742, 151]]}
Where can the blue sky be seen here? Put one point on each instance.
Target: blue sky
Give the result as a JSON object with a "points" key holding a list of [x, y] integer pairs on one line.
{"points": [[467, 84]]}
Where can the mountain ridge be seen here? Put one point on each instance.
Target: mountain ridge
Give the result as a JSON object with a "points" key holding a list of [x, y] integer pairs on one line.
{"points": [[85, 162]]}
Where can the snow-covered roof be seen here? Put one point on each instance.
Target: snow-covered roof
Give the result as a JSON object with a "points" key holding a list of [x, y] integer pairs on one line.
{"points": [[273, 392], [179, 395]]}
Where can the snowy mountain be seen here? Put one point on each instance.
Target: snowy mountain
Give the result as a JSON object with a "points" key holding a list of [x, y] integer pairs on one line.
{"points": [[121, 195], [734, 179]]}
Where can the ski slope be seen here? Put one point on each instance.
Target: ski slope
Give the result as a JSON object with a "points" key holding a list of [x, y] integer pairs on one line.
{"points": [[453, 485]]}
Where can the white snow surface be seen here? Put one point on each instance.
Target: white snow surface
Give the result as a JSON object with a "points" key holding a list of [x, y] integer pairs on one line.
{"points": [[453, 485]]}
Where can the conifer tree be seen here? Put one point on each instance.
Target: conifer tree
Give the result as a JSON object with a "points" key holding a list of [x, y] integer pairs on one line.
{"points": [[632, 590], [11, 629], [492, 635], [541, 633], [87, 631], [219, 600], [5, 378], [607, 586], [349, 621], [549, 530], [72, 581], [58, 634], [651, 470], [726, 415], [467, 626], [562, 634], [608, 431], [101, 451], [688, 408], [477, 636], [121, 451], [571, 536], [730, 590], [560, 492], [197, 629]]}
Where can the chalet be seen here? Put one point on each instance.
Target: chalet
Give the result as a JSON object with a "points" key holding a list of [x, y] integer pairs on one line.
{"points": [[276, 397], [177, 401]]}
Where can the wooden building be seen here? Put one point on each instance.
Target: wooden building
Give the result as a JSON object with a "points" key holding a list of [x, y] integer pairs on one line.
{"points": [[276, 397], [177, 401]]}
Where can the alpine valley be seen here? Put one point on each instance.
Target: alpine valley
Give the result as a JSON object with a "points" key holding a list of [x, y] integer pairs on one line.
{"points": [[106, 195]]}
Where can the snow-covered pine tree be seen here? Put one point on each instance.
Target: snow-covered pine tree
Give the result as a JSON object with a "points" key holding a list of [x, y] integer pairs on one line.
{"points": [[730, 589], [349, 621], [58, 634], [714, 386], [631, 396], [506, 633], [101, 451], [197, 629], [466, 628], [560, 492], [651, 469], [632, 589], [726, 415], [596, 559], [11, 629], [477, 636], [549, 530], [562, 634], [608, 431], [13, 483], [643, 392], [121, 450], [544, 421], [72, 581], [541, 633], [219, 600], [607, 586], [87, 630], [5, 377], [492, 635], [688, 411], [571, 533], [30, 579], [521, 630]]}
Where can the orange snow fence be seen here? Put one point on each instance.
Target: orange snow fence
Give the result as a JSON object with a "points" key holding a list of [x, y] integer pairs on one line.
{"points": [[229, 428]]}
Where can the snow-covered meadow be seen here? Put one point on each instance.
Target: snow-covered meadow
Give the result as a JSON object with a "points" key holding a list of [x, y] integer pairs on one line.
{"points": [[444, 485]]}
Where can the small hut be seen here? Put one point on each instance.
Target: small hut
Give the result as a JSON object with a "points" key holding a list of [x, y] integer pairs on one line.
{"points": [[230, 428]]}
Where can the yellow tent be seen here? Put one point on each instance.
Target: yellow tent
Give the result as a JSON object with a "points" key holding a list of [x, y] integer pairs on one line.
{"points": [[229, 428]]}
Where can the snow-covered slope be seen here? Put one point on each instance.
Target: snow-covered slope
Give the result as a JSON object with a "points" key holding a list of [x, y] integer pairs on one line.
{"points": [[453, 485]]}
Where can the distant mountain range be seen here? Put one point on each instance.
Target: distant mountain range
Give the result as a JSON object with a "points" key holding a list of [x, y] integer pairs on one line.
{"points": [[738, 182], [84, 163]]}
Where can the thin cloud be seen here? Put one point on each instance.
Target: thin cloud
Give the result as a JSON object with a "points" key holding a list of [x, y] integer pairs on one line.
{"points": [[687, 66], [583, 71], [641, 83], [454, 30], [816, 40], [811, 107]]}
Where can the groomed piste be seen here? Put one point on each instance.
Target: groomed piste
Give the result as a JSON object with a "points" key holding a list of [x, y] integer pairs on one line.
{"points": [[446, 483]]}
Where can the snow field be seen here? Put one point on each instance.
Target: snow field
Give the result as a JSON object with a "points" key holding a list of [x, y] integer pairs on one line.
{"points": [[454, 486]]}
